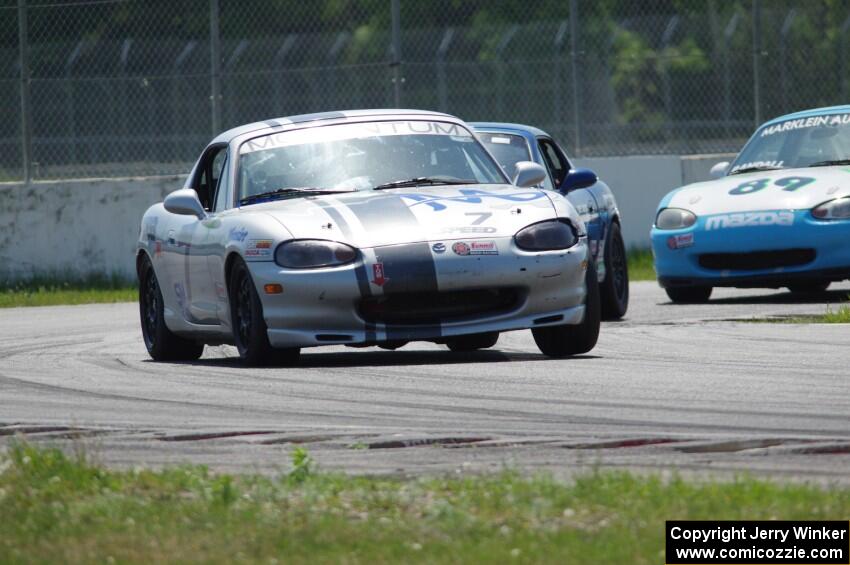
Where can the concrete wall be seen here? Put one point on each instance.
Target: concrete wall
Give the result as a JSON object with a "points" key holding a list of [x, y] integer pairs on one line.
{"points": [[74, 228]]}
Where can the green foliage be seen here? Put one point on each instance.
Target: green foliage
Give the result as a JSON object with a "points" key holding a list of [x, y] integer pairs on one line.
{"points": [[839, 316], [641, 265], [53, 505], [56, 289], [302, 465]]}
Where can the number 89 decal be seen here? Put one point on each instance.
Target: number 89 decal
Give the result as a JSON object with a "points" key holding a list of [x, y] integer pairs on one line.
{"points": [[789, 184]]}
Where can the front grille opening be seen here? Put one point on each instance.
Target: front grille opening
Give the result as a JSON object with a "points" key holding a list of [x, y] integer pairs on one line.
{"points": [[757, 260], [419, 308]]}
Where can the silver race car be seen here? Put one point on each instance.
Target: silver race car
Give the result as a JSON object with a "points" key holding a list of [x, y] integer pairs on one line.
{"points": [[374, 227]]}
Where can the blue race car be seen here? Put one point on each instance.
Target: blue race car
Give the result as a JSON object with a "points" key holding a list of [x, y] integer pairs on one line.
{"points": [[779, 216], [594, 201]]}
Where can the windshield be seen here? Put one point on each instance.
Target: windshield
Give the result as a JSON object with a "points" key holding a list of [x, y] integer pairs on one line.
{"points": [[507, 149], [363, 156], [797, 143]]}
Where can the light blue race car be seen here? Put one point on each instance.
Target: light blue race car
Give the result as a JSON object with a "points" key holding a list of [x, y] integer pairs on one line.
{"points": [[514, 143], [779, 216]]}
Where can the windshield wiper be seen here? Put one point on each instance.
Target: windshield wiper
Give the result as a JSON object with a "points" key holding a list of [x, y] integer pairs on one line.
{"points": [[416, 181], [289, 191], [831, 163], [754, 169]]}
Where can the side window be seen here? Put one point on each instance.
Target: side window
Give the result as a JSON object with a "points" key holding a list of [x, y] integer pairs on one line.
{"points": [[556, 162], [222, 190], [209, 174]]}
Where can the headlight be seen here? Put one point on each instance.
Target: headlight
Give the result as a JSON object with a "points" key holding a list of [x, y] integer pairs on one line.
{"points": [[313, 253], [545, 236], [838, 209], [674, 219]]}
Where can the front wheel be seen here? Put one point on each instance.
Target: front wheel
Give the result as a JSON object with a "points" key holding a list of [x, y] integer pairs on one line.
{"points": [[162, 344], [250, 332], [689, 294], [615, 288], [574, 339], [473, 342]]}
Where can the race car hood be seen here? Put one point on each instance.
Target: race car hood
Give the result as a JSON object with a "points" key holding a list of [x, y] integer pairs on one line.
{"points": [[785, 189], [407, 215]]}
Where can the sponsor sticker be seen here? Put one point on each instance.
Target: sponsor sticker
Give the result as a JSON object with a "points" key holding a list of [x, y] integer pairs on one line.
{"points": [[237, 234], [475, 248], [803, 123], [363, 130], [439, 247], [680, 241], [258, 253], [483, 248], [460, 248], [260, 243], [752, 164], [378, 277], [749, 219], [258, 248]]}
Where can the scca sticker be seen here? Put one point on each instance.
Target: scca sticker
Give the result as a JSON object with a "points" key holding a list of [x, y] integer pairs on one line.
{"points": [[680, 241]]}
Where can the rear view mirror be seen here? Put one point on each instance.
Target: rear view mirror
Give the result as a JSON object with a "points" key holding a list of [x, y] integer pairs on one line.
{"points": [[185, 203], [529, 174], [578, 178], [719, 170]]}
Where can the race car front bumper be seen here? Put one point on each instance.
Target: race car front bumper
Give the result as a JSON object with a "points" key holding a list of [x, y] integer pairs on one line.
{"points": [[769, 256], [423, 291]]}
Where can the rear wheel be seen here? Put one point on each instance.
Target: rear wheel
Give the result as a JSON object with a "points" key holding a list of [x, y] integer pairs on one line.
{"points": [[615, 288], [162, 344], [689, 294], [574, 339], [250, 332], [473, 342], [809, 288]]}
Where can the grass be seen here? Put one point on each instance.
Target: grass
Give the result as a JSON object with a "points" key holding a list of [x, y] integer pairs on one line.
{"points": [[840, 316], [641, 265], [55, 290], [55, 507]]}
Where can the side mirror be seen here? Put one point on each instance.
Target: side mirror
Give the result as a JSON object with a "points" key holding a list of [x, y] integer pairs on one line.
{"points": [[719, 170], [578, 178], [529, 174], [185, 202]]}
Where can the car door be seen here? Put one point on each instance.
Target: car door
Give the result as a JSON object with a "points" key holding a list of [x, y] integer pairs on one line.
{"points": [[216, 243], [582, 198], [201, 294]]}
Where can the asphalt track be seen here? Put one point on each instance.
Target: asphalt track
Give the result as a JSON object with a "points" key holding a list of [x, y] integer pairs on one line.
{"points": [[690, 388]]}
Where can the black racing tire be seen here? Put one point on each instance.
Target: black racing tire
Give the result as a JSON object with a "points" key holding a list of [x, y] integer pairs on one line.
{"points": [[162, 344], [809, 288], [250, 333], [472, 342], [574, 339], [689, 294], [615, 288]]}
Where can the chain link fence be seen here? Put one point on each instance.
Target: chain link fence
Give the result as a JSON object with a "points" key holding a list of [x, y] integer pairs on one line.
{"points": [[137, 87]]}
